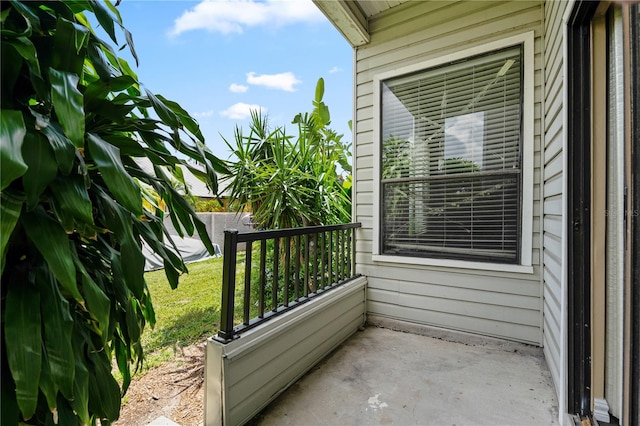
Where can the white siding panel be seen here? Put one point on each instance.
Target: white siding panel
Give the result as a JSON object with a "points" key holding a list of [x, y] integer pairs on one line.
{"points": [[553, 196], [499, 304], [505, 330]]}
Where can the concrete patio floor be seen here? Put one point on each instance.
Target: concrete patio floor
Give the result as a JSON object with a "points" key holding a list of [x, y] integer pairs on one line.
{"points": [[385, 377]]}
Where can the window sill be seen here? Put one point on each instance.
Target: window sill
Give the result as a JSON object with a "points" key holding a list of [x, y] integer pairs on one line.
{"points": [[457, 264]]}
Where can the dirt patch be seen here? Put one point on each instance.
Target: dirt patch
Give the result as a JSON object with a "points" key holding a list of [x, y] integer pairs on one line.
{"points": [[174, 390]]}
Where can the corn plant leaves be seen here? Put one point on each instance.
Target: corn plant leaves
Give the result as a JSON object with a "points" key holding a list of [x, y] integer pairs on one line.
{"points": [[47, 386], [68, 103], [98, 303], [189, 123], [72, 197], [104, 392], [10, 207], [57, 332], [23, 343], [120, 221], [80, 402], [105, 20], [53, 244], [12, 133], [165, 114], [41, 160], [68, 41], [107, 158], [63, 149]]}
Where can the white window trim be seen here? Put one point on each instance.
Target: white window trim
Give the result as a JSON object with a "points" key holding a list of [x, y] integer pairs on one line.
{"points": [[526, 236]]}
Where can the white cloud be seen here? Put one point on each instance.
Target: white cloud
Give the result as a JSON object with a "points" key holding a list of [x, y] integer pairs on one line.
{"points": [[238, 88], [335, 70], [203, 114], [233, 16], [283, 81], [240, 111]]}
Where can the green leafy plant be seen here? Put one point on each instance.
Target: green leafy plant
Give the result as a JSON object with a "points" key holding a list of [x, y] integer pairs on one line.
{"points": [[289, 182], [74, 299]]}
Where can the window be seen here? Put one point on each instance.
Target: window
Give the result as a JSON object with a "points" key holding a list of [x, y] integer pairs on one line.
{"points": [[451, 159]]}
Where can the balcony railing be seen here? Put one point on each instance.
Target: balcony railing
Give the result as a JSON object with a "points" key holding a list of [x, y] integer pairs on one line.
{"points": [[281, 269]]}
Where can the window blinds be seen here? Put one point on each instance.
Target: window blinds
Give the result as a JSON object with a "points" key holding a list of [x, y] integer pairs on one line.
{"points": [[451, 162]]}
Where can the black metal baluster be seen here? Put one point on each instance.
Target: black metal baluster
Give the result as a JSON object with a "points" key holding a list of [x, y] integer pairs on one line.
{"points": [[323, 255], [343, 255], [353, 252], [347, 258], [338, 254], [263, 261], [331, 258], [296, 282], [316, 285], [276, 281], [287, 269], [306, 265], [247, 282]]}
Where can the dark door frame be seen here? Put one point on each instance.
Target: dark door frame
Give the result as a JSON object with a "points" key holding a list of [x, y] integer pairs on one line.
{"points": [[579, 207]]}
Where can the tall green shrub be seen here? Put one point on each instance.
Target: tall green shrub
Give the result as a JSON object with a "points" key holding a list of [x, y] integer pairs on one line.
{"points": [[74, 118], [291, 181]]}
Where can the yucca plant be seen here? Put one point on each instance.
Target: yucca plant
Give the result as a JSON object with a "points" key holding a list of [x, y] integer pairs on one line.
{"points": [[290, 181], [74, 118]]}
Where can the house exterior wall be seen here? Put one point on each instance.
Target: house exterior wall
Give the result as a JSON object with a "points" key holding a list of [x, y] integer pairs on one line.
{"points": [[491, 301], [554, 188]]}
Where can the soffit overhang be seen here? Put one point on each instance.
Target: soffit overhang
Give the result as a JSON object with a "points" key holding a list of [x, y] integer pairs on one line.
{"points": [[351, 17]]}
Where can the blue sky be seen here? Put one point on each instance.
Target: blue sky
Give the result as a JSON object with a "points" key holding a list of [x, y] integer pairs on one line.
{"points": [[218, 59]]}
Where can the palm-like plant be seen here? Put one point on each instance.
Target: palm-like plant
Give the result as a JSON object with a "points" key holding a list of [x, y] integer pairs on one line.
{"points": [[74, 118], [289, 182]]}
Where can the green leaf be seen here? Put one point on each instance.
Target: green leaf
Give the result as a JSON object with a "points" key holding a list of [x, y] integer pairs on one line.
{"points": [[80, 401], [68, 41], [27, 50], [40, 158], [133, 325], [189, 123], [72, 196], [123, 357], [62, 146], [22, 340], [12, 133], [104, 391], [98, 303], [166, 115], [52, 242], [98, 60], [57, 332], [132, 49], [10, 207], [105, 20], [120, 222], [47, 386], [68, 104], [319, 89], [32, 19], [123, 187]]}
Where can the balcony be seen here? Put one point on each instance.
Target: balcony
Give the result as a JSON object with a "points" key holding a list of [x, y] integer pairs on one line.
{"points": [[296, 347]]}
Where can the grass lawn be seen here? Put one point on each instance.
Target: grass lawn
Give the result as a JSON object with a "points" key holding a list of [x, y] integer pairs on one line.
{"points": [[187, 315]]}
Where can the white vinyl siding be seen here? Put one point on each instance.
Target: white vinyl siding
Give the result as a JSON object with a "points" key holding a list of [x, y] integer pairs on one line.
{"points": [[553, 193], [504, 303]]}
